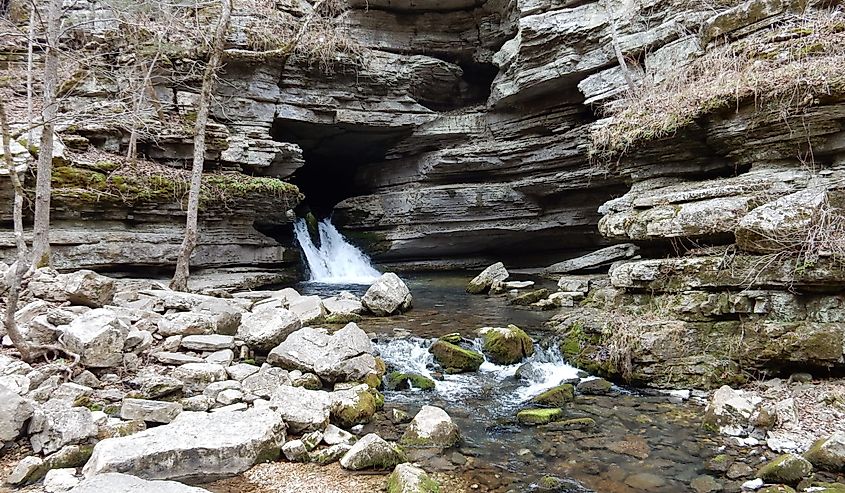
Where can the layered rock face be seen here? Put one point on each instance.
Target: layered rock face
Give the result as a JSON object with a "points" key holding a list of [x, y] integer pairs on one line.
{"points": [[750, 196]]}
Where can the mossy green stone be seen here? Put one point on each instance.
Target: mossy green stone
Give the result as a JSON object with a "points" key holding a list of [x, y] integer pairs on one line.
{"points": [[400, 381], [534, 417], [530, 297], [360, 412], [506, 346], [455, 358], [787, 468], [555, 397]]}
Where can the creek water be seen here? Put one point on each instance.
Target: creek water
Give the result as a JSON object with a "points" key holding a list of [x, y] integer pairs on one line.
{"points": [[641, 441]]}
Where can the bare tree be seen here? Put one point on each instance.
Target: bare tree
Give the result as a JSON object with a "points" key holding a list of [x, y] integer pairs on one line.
{"points": [[41, 226], [20, 266], [614, 40], [180, 278]]}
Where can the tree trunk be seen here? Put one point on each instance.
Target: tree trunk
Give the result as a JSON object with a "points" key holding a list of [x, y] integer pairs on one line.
{"points": [[180, 278], [614, 40], [41, 226], [132, 152], [21, 265], [29, 40]]}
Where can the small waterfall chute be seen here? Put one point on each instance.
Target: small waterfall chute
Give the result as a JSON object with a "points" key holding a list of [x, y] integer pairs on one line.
{"points": [[335, 261]]}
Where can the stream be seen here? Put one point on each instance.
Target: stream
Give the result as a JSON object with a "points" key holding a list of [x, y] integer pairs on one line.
{"points": [[641, 441]]}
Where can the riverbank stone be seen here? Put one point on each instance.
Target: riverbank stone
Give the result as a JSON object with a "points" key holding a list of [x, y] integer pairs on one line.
{"points": [[263, 330], [388, 295], [404, 381], [124, 483], [345, 356], [556, 396], [482, 282], [534, 417], [787, 468], [828, 454], [407, 478], [594, 386], [432, 427], [454, 358], [372, 452], [193, 446], [506, 345]]}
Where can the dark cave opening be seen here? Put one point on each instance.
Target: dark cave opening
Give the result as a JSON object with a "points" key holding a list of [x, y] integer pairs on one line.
{"points": [[333, 153]]}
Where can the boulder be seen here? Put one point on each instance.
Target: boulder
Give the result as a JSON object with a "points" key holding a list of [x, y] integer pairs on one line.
{"points": [[56, 424], [401, 381], [343, 305], [506, 345], [556, 396], [27, 470], [14, 413], [530, 297], [83, 287], [193, 446], [454, 358], [533, 417], [594, 386], [60, 480], [346, 356], [388, 295], [329, 454], [210, 342], [828, 454], [150, 411], [333, 435], [264, 382], [303, 410], [225, 314], [307, 308], [197, 376], [98, 337], [372, 452], [124, 483], [407, 478], [787, 468], [483, 281], [595, 260], [295, 451], [781, 224], [354, 406], [241, 370], [431, 427], [186, 323], [265, 329], [729, 411]]}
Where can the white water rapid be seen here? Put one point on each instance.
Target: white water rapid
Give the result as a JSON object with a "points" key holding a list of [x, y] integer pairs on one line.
{"points": [[548, 369], [335, 261]]}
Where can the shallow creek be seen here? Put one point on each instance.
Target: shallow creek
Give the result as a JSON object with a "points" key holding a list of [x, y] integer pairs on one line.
{"points": [[641, 441]]}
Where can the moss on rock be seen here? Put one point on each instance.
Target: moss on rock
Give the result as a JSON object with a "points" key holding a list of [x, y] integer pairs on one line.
{"points": [[402, 381], [454, 358], [506, 346], [787, 468], [555, 397], [534, 417]]}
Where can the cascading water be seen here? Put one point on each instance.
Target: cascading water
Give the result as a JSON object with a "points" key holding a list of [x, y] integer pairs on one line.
{"points": [[547, 369], [335, 261]]}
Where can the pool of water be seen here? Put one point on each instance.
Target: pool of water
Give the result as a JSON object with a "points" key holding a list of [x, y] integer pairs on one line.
{"points": [[640, 441]]}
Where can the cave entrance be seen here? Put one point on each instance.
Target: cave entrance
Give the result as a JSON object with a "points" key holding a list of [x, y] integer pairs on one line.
{"points": [[333, 155]]}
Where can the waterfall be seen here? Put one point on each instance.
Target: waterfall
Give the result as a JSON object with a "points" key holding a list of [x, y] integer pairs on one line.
{"points": [[335, 261]]}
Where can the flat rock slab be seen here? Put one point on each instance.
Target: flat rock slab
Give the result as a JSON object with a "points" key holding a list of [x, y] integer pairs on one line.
{"points": [[211, 342], [123, 483], [595, 260], [195, 445]]}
